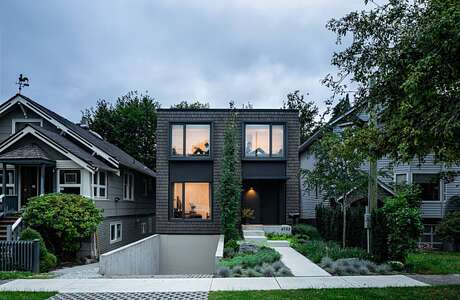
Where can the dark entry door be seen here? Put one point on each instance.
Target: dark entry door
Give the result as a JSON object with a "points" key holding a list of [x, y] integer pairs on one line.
{"points": [[29, 183], [266, 198]]}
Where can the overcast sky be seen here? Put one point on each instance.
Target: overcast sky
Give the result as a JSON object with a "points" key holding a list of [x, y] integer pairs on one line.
{"points": [[76, 52]]}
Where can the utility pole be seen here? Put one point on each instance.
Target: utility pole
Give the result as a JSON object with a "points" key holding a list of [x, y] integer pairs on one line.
{"points": [[372, 181]]}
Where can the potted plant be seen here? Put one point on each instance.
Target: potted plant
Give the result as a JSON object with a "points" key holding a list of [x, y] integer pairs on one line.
{"points": [[247, 214]]}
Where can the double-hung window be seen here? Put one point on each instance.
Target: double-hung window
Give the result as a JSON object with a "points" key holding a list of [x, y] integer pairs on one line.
{"points": [[264, 141], [9, 179], [70, 181], [191, 200], [429, 185], [115, 232], [100, 185], [128, 186], [190, 140]]}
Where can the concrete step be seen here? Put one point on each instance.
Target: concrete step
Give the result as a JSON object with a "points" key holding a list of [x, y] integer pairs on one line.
{"points": [[279, 243], [252, 227], [255, 239], [253, 232]]}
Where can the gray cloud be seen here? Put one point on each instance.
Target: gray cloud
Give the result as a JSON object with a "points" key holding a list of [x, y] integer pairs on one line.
{"points": [[76, 52]]}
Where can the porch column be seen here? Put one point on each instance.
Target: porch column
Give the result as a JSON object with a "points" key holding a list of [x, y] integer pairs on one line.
{"points": [[4, 179], [42, 180]]}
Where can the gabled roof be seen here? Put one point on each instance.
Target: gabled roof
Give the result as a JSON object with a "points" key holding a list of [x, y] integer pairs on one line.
{"points": [[27, 151], [317, 134], [108, 151], [60, 144]]}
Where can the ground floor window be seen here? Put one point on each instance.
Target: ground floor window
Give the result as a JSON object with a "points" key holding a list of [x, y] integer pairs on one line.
{"points": [[10, 181], [115, 232], [143, 228], [70, 181], [429, 238], [191, 200]]}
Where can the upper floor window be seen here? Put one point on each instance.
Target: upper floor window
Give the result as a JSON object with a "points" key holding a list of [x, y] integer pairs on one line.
{"points": [[69, 181], [100, 185], [264, 140], [128, 186], [429, 185], [190, 139], [18, 124]]}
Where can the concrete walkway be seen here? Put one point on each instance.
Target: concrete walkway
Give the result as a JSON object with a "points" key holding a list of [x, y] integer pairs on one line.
{"points": [[205, 284], [299, 264], [79, 272]]}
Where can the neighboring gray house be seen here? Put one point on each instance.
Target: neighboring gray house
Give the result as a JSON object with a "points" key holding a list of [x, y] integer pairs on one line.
{"points": [[189, 166], [42, 152], [435, 191]]}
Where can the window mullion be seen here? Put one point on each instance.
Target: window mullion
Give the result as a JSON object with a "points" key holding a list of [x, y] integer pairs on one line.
{"points": [[183, 199], [184, 137], [270, 140]]}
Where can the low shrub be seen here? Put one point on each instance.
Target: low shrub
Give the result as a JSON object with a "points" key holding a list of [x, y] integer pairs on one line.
{"points": [[64, 220], [268, 270], [316, 250], [48, 260], [353, 266], [264, 255], [306, 230]]}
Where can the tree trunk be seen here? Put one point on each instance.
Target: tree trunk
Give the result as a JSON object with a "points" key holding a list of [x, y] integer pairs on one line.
{"points": [[344, 229]]}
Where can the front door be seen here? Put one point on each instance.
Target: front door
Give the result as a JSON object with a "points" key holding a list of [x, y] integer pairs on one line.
{"points": [[265, 198], [29, 183]]}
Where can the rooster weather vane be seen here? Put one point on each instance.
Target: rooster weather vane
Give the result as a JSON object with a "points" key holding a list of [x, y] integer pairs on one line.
{"points": [[22, 82]]}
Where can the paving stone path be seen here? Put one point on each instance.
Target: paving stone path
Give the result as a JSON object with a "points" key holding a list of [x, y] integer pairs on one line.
{"points": [[133, 296]]}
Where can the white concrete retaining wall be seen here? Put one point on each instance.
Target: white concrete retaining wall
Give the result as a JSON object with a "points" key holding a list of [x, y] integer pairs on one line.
{"points": [[188, 254], [139, 258], [219, 251]]}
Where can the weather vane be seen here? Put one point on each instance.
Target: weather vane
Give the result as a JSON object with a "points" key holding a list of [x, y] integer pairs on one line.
{"points": [[22, 82]]}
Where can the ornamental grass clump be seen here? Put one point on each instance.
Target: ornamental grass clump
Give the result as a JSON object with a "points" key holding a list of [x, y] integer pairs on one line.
{"points": [[353, 266]]}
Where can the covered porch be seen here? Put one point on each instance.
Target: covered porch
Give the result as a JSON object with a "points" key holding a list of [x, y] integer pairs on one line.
{"points": [[25, 172]]}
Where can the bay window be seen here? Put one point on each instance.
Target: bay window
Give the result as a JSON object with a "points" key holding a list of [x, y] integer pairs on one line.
{"points": [[191, 200], [264, 140], [190, 140]]}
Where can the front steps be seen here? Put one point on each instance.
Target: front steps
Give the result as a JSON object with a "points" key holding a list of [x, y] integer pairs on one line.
{"points": [[4, 222], [256, 234]]}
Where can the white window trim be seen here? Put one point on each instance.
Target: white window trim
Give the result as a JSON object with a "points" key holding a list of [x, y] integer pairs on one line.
{"points": [[61, 185], [129, 174], [10, 185], [98, 186], [14, 121], [144, 228], [441, 189], [117, 238]]}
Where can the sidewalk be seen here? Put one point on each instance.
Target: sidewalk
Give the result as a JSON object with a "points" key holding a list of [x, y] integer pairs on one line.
{"points": [[206, 284], [299, 264]]}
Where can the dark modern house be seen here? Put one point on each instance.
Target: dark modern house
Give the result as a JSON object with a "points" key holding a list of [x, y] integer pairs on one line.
{"points": [[189, 167], [43, 152]]}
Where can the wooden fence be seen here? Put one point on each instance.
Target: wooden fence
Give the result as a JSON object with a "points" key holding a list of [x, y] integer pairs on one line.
{"points": [[20, 256]]}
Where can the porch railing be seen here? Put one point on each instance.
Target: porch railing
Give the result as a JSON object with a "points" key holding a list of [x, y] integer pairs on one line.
{"points": [[13, 231], [20, 256]]}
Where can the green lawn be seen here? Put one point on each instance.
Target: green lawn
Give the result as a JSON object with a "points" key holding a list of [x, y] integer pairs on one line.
{"points": [[433, 262], [24, 275], [25, 295], [419, 293]]}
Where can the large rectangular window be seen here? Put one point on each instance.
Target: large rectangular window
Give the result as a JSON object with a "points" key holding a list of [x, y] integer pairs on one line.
{"points": [[429, 185], [70, 181], [264, 140], [191, 200], [190, 139]]}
